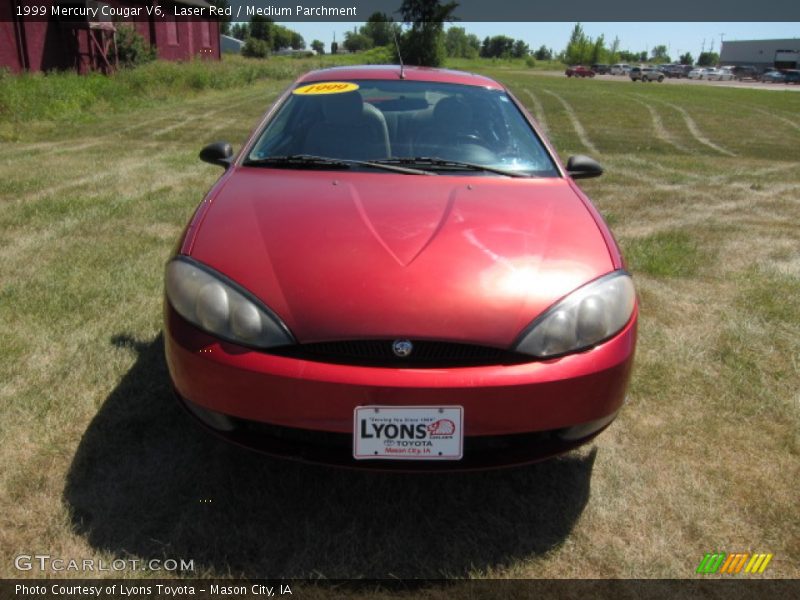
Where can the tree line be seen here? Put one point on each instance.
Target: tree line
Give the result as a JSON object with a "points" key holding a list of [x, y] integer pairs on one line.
{"points": [[262, 36], [582, 49], [424, 41]]}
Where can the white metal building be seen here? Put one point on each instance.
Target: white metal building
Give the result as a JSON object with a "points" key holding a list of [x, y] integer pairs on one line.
{"points": [[230, 44], [761, 53]]}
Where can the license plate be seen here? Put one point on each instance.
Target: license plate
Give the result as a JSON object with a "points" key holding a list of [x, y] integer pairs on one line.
{"points": [[408, 432]]}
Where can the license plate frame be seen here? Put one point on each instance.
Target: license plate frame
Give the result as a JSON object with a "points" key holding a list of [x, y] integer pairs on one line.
{"points": [[408, 432]]}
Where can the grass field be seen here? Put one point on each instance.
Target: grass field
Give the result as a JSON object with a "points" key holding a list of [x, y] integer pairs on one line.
{"points": [[702, 188]]}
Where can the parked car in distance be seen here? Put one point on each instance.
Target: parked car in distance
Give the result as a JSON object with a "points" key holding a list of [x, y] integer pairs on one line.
{"points": [[601, 69], [646, 74], [772, 76], [620, 69], [436, 295], [674, 70], [698, 73], [722, 74], [744, 72], [579, 71], [791, 76]]}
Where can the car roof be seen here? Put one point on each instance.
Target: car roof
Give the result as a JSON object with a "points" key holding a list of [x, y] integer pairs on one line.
{"points": [[392, 72]]}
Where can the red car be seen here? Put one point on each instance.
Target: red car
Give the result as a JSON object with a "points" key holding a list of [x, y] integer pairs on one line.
{"points": [[396, 271], [579, 71]]}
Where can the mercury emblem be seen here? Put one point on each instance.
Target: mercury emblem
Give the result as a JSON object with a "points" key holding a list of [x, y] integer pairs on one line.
{"points": [[402, 348]]}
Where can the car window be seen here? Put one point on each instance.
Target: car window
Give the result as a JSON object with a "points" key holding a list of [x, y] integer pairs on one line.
{"points": [[382, 119]]}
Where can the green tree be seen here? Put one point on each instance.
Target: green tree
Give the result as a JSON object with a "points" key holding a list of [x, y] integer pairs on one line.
{"points": [[132, 49], [460, 45], [520, 49], [578, 48], [613, 52], [334, 47], [380, 29], [659, 54], [543, 53], [599, 51], [474, 45], [423, 43], [498, 46], [277, 37], [241, 31], [686, 59], [296, 41], [318, 47], [255, 48], [357, 42], [281, 37], [261, 28], [707, 59]]}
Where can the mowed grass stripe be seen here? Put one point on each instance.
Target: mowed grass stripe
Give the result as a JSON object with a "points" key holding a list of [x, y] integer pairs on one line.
{"points": [[576, 124], [538, 110], [696, 133], [608, 112], [658, 126], [28, 184]]}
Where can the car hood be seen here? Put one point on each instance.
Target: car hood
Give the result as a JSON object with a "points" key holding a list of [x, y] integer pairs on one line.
{"points": [[354, 255]]}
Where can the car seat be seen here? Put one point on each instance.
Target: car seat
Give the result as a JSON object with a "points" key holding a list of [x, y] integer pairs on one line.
{"points": [[350, 129]]}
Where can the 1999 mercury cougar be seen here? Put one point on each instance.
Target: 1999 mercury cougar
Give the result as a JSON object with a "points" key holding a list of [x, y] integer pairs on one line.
{"points": [[396, 271]]}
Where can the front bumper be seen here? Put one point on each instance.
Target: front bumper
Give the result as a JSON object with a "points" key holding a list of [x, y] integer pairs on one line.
{"points": [[515, 409]]}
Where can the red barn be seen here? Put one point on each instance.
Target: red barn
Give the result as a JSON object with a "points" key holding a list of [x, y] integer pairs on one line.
{"points": [[83, 39]]}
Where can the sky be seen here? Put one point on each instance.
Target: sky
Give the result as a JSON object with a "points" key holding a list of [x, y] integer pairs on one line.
{"points": [[679, 37]]}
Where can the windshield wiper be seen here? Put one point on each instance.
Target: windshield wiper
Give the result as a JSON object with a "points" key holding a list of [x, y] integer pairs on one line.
{"points": [[301, 161], [432, 161], [297, 160]]}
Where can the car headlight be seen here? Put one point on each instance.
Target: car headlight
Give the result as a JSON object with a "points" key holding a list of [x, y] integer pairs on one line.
{"points": [[587, 316], [218, 306]]}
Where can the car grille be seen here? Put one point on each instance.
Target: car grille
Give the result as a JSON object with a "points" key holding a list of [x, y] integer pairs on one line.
{"points": [[425, 353]]}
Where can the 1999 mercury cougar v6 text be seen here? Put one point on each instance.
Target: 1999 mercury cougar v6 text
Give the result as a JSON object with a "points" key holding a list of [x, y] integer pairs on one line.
{"points": [[396, 271]]}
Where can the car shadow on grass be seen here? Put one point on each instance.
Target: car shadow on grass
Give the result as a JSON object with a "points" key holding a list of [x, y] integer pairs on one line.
{"points": [[147, 482]]}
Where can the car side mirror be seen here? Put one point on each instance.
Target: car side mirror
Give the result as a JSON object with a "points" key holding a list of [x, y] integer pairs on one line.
{"points": [[218, 153], [583, 167]]}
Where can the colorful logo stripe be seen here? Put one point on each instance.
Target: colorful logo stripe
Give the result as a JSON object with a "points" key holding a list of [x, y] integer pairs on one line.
{"points": [[732, 564]]}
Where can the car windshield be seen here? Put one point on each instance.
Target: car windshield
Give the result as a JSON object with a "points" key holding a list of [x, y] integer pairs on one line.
{"points": [[401, 122]]}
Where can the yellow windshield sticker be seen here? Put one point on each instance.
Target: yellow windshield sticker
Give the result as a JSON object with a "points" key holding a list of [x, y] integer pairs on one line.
{"points": [[327, 87]]}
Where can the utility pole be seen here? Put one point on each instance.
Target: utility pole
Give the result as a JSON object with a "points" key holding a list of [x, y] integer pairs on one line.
{"points": [[721, 35]]}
